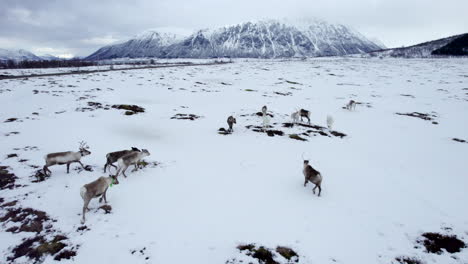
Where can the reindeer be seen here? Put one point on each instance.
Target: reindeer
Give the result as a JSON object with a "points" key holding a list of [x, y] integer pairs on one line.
{"points": [[295, 117], [264, 110], [351, 105], [266, 119], [114, 156], [330, 122], [68, 157], [95, 189], [231, 120], [313, 176], [129, 159], [305, 113]]}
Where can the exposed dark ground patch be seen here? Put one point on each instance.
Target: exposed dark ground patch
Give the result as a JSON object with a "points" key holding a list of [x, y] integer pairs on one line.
{"points": [[408, 260], [408, 95], [11, 133], [283, 94], [7, 179], [435, 242], [316, 130], [313, 130], [265, 255], [12, 119], [12, 155], [423, 116], [140, 252], [459, 140], [106, 208], [46, 240], [185, 116], [223, 131], [79, 169], [130, 109], [93, 106], [297, 137]]}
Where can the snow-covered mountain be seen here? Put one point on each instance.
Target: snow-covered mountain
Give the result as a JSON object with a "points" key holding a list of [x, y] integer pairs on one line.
{"points": [[424, 50], [262, 39], [17, 55]]}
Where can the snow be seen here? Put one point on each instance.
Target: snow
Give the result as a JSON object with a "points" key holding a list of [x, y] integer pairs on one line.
{"points": [[392, 178], [268, 38], [17, 55]]}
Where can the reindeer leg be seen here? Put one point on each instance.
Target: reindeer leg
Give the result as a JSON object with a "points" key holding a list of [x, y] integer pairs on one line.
{"points": [[81, 164], [123, 171], [320, 190], [85, 207], [305, 182], [104, 195], [313, 190], [68, 167], [105, 166], [45, 170]]}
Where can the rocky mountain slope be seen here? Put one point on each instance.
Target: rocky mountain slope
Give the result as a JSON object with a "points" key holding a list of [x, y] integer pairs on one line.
{"points": [[262, 39]]}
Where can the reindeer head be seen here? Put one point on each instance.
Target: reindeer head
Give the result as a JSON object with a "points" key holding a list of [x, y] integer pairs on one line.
{"points": [[114, 179], [84, 149], [145, 152]]}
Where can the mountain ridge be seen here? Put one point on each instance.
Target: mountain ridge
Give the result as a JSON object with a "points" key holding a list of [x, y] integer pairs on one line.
{"points": [[260, 39]]}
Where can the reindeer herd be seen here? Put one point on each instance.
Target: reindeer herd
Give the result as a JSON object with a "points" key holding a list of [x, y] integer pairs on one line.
{"points": [[134, 156]]}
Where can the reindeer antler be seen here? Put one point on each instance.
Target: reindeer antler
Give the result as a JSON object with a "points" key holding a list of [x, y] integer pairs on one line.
{"points": [[83, 145]]}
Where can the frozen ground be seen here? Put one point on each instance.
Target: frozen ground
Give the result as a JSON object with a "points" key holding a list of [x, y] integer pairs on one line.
{"points": [[117, 64], [392, 178]]}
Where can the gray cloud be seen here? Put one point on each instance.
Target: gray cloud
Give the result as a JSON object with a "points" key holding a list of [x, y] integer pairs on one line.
{"points": [[81, 27]]}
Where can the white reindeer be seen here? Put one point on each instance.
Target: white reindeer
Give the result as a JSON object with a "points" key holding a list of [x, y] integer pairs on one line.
{"points": [[68, 157], [330, 122], [295, 117], [129, 159]]}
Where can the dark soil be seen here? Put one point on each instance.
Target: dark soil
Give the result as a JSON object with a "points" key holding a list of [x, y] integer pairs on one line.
{"points": [[223, 131], [130, 109], [93, 106], [283, 94], [435, 242], [408, 260], [288, 253], [423, 116], [37, 247], [185, 116], [40, 245], [28, 219], [13, 119], [297, 137], [7, 179], [459, 140], [261, 114], [107, 208], [11, 133], [65, 254], [266, 255], [12, 155], [40, 176]]}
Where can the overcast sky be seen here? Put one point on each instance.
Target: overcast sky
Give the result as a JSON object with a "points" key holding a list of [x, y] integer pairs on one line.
{"points": [[79, 27]]}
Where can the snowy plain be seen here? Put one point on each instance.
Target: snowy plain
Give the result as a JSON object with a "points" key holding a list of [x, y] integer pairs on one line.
{"points": [[389, 180]]}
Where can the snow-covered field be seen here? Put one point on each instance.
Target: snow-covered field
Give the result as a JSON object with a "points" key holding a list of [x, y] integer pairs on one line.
{"points": [[392, 178], [106, 65]]}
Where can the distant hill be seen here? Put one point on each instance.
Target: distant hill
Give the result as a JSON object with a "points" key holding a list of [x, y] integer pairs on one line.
{"points": [[451, 46], [261, 39], [17, 55]]}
